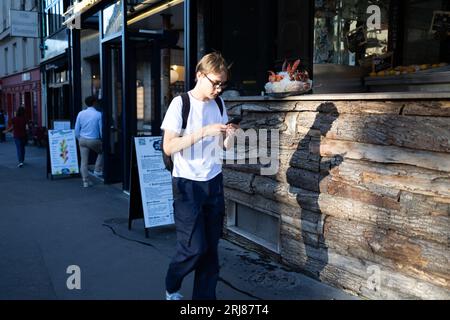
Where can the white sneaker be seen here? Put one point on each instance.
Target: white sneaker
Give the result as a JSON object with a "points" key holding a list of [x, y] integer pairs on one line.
{"points": [[98, 174], [174, 296], [87, 184], [20, 165]]}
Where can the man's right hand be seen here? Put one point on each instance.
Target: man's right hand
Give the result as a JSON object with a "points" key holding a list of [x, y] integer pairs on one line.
{"points": [[214, 130]]}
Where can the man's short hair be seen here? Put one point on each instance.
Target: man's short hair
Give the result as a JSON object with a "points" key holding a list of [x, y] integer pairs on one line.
{"points": [[213, 63], [90, 100]]}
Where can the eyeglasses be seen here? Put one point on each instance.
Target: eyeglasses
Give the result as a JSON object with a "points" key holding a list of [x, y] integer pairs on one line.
{"points": [[217, 84]]}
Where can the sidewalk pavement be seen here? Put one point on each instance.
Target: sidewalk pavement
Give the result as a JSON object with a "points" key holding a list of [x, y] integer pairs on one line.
{"points": [[48, 225]]}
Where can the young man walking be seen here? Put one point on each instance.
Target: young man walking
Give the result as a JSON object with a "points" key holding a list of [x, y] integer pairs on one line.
{"points": [[197, 179], [88, 131]]}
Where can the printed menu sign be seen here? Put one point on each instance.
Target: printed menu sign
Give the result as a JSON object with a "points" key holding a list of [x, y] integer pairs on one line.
{"points": [[63, 152], [155, 182]]}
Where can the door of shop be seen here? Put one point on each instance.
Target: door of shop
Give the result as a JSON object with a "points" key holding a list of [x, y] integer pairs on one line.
{"points": [[140, 112], [58, 98], [112, 110]]}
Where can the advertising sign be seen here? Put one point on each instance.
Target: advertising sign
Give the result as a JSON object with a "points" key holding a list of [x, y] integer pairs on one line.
{"points": [[155, 182], [24, 23], [63, 152]]}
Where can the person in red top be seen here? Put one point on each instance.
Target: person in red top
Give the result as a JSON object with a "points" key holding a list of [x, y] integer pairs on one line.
{"points": [[19, 127]]}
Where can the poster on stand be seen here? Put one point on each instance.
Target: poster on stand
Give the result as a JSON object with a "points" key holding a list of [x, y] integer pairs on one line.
{"points": [[63, 152], [155, 182]]}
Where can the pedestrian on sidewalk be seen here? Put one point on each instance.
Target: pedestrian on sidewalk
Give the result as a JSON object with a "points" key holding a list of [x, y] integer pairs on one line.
{"points": [[19, 127], [2, 125], [88, 131], [197, 178]]}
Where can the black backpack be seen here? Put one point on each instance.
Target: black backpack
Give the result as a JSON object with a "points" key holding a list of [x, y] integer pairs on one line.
{"points": [[168, 163]]}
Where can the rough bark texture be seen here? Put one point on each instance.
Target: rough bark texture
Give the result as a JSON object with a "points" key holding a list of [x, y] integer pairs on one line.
{"points": [[362, 192]]}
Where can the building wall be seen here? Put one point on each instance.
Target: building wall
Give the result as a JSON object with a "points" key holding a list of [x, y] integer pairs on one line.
{"points": [[25, 51], [362, 193], [19, 60], [23, 89]]}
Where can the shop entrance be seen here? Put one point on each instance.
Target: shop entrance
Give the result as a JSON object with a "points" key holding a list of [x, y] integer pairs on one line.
{"points": [[58, 103], [145, 87], [112, 111]]}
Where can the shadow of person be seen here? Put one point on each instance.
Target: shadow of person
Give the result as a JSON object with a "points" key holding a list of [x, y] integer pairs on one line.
{"points": [[307, 169]]}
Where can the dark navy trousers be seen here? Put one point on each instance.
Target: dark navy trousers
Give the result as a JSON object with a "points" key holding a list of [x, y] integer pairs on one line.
{"points": [[20, 148], [199, 210]]}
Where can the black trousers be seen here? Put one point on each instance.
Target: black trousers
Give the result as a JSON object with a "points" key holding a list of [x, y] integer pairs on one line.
{"points": [[199, 211]]}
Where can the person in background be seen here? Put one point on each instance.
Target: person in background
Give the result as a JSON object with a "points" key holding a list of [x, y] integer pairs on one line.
{"points": [[19, 127], [197, 179], [88, 131], [2, 125]]}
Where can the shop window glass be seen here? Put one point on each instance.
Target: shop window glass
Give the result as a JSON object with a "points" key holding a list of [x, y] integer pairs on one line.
{"points": [[380, 45], [257, 36], [347, 45], [112, 19], [341, 34], [347, 35], [424, 43]]}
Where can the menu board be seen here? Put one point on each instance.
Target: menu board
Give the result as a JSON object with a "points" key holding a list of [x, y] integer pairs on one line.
{"points": [[63, 152], [155, 182]]}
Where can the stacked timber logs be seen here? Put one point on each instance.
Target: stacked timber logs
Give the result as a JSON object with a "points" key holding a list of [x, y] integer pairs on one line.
{"points": [[362, 192]]}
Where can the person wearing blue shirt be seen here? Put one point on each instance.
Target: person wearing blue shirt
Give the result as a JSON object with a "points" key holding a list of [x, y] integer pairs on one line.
{"points": [[88, 131]]}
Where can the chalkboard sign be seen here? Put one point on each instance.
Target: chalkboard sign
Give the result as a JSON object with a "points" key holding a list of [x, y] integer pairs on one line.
{"points": [[382, 62], [440, 22], [356, 38]]}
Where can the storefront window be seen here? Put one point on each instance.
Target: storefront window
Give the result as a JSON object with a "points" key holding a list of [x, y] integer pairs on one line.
{"points": [[347, 45], [426, 41], [257, 36], [384, 45], [53, 16], [341, 34], [348, 34], [112, 19]]}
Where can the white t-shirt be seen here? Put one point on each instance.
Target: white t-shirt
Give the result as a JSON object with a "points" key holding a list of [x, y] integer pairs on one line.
{"points": [[201, 161]]}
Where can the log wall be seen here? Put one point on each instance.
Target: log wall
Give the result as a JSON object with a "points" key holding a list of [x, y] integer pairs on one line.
{"points": [[362, 192]]}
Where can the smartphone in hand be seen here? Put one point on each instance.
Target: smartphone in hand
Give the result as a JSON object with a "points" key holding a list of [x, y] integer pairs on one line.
{"points": [[234, 120]]}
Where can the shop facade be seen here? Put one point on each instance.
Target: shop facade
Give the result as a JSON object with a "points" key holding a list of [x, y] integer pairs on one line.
{"points": [[134, 70], [23, 89], [360, 199], [20, 60], [55, 63]]}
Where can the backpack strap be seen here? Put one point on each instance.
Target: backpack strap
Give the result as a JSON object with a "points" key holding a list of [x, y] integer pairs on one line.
{"points": [[186, 108], [219, 104]]}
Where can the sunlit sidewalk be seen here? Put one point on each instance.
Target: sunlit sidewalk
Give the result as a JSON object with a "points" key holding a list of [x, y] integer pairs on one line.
{"points": [[48, 228]]}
